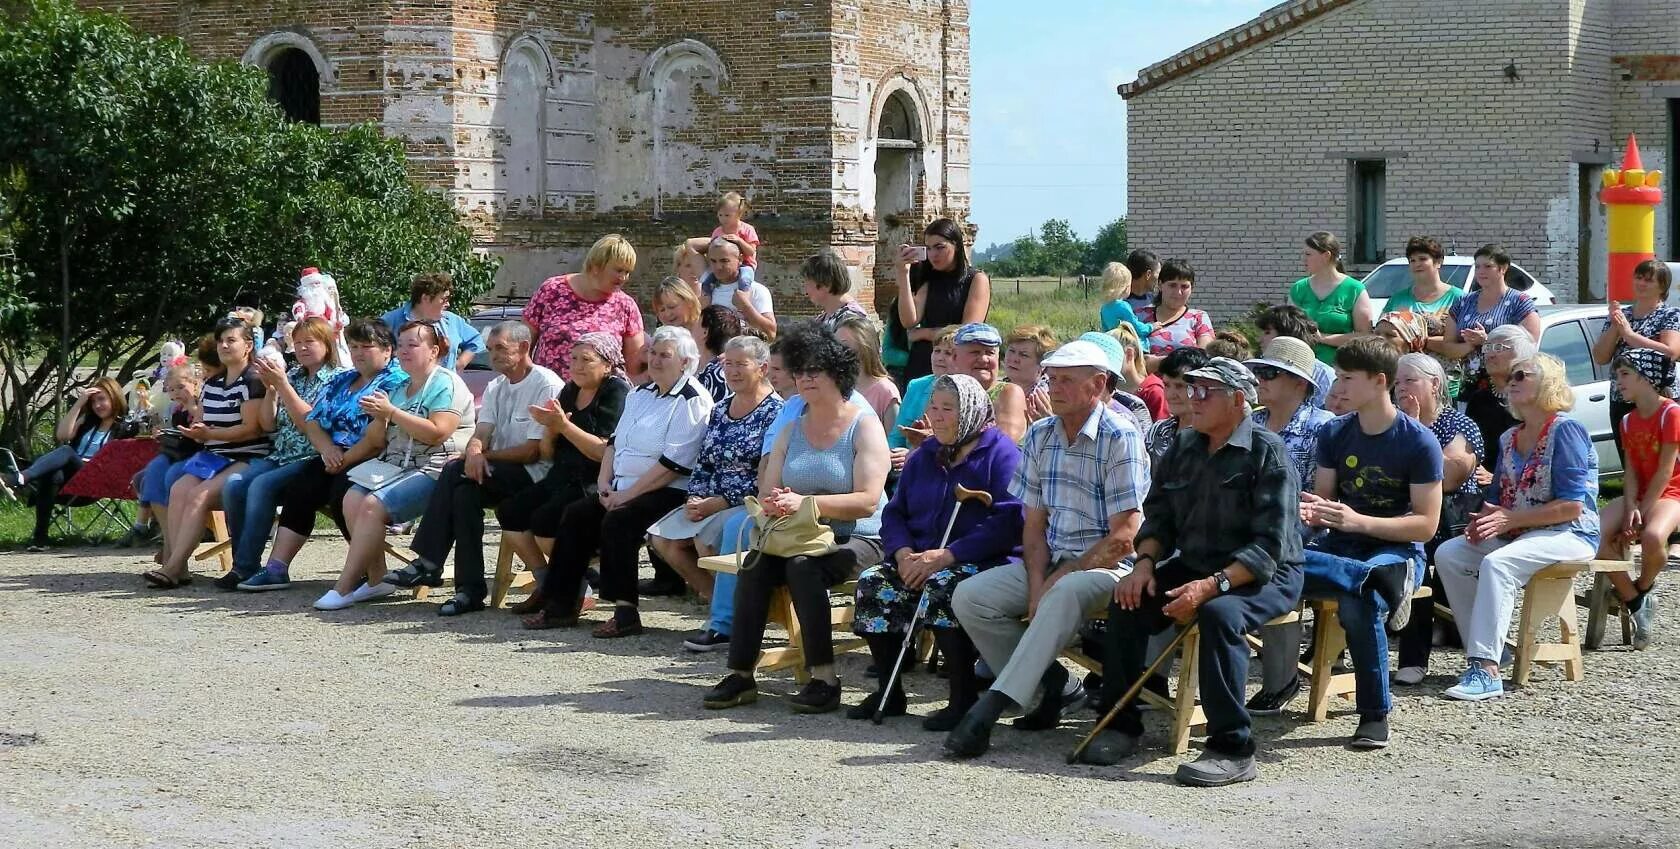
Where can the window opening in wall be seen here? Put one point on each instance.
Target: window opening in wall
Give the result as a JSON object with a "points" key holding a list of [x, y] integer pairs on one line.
{"points": [[295, 84], [1369, 198]]}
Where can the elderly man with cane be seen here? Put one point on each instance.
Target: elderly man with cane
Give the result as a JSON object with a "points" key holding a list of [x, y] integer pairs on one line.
{"points": [[1083, 476], [1227, 504]]}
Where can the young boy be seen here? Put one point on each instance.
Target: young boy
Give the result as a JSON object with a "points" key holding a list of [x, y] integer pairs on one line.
{"points": [[1650, 439], [1377, 491]]}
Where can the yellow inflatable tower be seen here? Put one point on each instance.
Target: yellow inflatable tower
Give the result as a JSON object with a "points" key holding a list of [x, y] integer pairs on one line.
{"points": [[1630, 198]]}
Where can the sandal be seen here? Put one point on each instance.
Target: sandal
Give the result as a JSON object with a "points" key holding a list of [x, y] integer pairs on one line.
{"points": [[531, 604], [544, 620], [158, 579]]}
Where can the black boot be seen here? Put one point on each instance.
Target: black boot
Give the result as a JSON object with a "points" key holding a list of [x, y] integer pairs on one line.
{"points": [[883, 649], [959, 654]]}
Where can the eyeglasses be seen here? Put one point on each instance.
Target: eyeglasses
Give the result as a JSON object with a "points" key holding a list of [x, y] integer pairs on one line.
{"points": [[1521, 375], [1498, 348], [1268, 372], [1201, 391]]}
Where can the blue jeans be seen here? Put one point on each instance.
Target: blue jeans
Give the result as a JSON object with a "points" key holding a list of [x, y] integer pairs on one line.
{"points": [[1363, 614], [723, 590], [159, 476], [249, 500]]}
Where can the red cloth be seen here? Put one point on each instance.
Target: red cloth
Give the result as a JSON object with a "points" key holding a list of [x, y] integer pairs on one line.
{"points": [[1644, 438], [1153, 391], [111, 471]]}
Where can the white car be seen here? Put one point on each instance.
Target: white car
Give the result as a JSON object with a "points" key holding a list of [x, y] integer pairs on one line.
{"points": [[1395, 276], [1567, 332]]}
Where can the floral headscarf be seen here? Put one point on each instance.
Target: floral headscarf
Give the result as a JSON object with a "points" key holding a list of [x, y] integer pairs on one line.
{"points": [[606, 346], [974, 412], [1414, 328]]}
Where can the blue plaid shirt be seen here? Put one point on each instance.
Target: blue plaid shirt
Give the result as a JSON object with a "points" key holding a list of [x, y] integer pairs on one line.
{"points": [[1102, 473], [1300, 437]]}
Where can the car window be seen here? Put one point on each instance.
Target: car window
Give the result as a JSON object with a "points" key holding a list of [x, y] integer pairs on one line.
{"points": [[1518, 279], [1595, 328], [1388, 280], [1455, 275], [1568, 342]]}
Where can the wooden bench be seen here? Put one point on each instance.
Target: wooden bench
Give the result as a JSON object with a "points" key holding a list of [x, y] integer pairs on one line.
{"points": [[1550, 593], [1328, 644], [1185, 707], [221, 548], [792, 656]]}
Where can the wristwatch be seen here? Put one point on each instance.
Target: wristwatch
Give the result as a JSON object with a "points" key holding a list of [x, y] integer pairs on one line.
{"points": [[1222, 582]]}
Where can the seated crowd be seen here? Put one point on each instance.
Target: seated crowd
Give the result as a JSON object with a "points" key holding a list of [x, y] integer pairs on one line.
{"points": [[999, 489]]}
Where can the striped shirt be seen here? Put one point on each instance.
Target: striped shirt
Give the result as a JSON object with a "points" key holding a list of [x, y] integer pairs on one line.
{"points": [[1512, 308], [222, 398], [1104, 472]]}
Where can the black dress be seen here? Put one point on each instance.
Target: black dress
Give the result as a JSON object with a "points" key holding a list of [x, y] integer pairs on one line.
{"points": [[944, 306], [572, 473]]}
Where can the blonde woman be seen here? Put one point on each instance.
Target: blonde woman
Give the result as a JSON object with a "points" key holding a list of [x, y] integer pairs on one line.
{"points": [[1135, 377], [1116, 311], [877, 387], [1542, 509]]}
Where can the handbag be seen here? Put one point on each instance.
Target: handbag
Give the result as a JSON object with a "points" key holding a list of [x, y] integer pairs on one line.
{"points": [[374, 475], [174, 446], [797, 534]]}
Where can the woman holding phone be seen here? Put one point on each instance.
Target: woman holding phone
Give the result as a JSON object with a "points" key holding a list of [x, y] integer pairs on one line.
{"points": [[944, 291]]}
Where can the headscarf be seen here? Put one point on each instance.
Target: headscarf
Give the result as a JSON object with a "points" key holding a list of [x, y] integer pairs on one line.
{"points": [[1413, 328], [1657, 369], [974, 412], [606, 346]]}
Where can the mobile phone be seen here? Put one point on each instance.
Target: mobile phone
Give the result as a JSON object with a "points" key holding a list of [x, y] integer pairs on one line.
{"points": [[918, 253]]}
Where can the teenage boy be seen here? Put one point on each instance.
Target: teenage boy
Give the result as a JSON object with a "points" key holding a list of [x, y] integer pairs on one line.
{"points": [[1377, 492]]}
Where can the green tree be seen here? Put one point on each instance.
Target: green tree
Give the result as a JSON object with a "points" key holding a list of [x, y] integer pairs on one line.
{"points": [[144, 192], [1063, 250], [1108, 246]]}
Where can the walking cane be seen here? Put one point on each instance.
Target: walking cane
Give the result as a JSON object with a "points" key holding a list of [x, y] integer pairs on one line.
{"points": [[963, 493], [1137, 687]]}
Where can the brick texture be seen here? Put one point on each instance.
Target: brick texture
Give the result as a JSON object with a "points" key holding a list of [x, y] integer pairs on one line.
{"points": [[551, 123]]}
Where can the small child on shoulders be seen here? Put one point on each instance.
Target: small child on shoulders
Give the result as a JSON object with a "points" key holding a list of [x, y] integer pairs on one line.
{"points": [[732, 209]]}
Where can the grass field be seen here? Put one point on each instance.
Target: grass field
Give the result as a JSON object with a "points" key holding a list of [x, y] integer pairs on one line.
{"points": [[1066, 308]]}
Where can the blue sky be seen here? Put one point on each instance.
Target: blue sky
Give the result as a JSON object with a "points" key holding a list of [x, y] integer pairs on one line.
{"points": [[1049, 133]]}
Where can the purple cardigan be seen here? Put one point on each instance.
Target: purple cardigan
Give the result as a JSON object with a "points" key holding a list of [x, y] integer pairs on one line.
{"points": [[916, 515]]}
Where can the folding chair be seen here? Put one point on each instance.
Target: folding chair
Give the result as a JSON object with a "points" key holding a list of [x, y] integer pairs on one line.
{"points": [[104, 483]]}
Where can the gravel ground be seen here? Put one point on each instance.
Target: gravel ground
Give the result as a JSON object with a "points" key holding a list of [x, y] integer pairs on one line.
{"points": [[197, 719]]}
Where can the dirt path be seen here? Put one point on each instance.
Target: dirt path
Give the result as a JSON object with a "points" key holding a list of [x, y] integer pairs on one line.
{"points": [[202, 719]]}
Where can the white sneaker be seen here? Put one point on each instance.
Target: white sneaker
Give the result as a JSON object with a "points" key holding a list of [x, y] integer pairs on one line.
{"points": [[369, 592], [333, 601], [1410, 675]]}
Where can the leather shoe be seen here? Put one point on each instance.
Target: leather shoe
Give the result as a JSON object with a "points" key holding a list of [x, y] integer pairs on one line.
{"points": [[1109, 748], [1214, 769], [971, 738]]}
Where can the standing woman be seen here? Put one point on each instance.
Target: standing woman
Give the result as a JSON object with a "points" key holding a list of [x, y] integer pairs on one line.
{"points": [[1337, 302], [966, 449], [252, 494], [80, 434], [570, 305], [1472, 320], [944, 291], [860, 335], [836, 455], [1487, 401], [576, 427], [828, 285], [231, 431], [1543, 510], [1173, 324], [417, 429], [1646, 324]]}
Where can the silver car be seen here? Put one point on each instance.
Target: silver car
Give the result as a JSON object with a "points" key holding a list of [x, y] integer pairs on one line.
{"points": [[1567, 332]]}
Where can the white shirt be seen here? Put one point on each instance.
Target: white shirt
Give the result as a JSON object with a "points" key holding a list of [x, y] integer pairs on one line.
{"points": [[507, 409], [757, 293], [660, 430]]}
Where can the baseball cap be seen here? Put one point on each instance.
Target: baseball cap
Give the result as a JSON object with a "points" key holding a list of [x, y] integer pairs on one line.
{"points": [[1228, 372], [1077, 353]]}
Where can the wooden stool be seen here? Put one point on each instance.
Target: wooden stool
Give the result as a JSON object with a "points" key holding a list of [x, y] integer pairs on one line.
{"points": [[221, 547], [792, 656], [1328, 643], [506, 578], [1602, 600], [1184, 708], [1550, 593]]}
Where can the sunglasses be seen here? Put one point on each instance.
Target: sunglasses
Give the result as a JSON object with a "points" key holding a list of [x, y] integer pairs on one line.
{"points": [[1201, 391], [1268, 372], [1521, 375], [1498, 348]]}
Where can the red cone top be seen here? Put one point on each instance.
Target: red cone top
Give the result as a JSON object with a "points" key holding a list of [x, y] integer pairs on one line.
{"points": [[1630, 158]]}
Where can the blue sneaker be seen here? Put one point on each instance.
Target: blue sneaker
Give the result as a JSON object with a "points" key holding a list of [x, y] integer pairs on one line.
{"points": [[1476, 685], [1643, 620], [266, 580]]}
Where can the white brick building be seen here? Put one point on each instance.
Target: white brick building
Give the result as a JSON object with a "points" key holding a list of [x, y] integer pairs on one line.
{"points": [[1474, 122]]}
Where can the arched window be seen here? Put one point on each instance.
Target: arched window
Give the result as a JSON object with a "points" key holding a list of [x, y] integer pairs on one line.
{"points": [[523, 111], [679, 75], [294, 83]]}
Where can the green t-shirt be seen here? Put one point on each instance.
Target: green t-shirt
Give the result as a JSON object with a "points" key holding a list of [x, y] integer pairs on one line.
{"points": [[1334, 314], [1405, 301]]}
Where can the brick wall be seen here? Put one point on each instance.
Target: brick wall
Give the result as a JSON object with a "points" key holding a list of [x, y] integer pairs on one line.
{"points": [[1645, 76], [1231, 165]]}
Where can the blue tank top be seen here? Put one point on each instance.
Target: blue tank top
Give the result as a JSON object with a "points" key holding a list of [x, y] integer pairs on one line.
{"points": [[809, 471]]}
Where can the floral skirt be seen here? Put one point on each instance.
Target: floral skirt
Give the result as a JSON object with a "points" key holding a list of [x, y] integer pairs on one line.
{"points": [[885, 605]]}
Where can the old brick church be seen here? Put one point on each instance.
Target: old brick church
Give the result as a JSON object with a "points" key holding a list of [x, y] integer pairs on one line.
{"points": [[844, 122]]}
